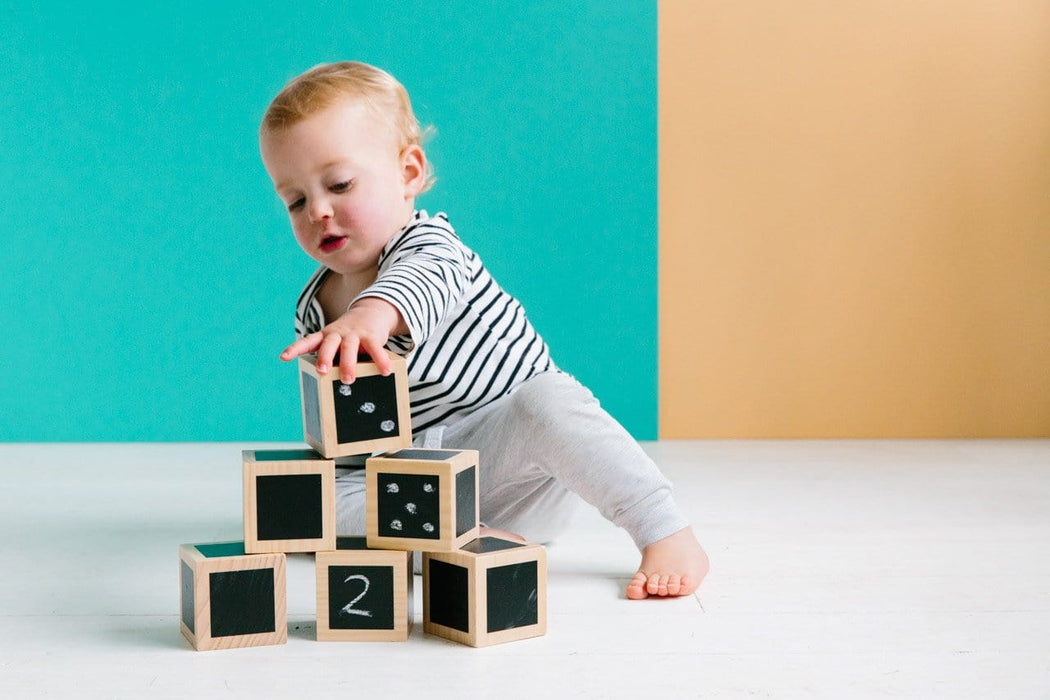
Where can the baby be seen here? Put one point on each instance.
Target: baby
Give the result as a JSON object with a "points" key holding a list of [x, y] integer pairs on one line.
{"points": [[343, 148]]}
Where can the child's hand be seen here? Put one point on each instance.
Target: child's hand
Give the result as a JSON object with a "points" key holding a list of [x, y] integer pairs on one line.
{"points": [[366, 325]]}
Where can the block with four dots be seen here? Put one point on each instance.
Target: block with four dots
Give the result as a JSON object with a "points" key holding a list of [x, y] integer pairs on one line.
{"points": [[230, 598], [422, 499], [490, 591], [371, 414]]}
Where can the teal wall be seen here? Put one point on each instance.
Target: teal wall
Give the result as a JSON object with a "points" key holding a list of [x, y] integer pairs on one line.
{"points": [[148, 274]]}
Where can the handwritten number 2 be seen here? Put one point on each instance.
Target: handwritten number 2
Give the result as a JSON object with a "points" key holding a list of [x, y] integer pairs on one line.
{"points": [[349, 609]]}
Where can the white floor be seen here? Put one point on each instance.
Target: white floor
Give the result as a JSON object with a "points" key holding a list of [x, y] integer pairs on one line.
{"points": [[840, 570]]}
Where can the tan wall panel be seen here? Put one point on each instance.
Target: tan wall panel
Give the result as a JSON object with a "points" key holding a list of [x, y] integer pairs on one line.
{"points": [[855, 219]]}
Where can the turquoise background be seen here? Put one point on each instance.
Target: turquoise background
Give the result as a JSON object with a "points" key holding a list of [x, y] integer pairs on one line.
{"points": [[148, 274]]}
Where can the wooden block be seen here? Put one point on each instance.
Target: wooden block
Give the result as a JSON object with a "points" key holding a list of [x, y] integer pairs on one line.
{"points": [[490, 592], [230, 598], [422, 500], [363, 595], [370, 415], [289, 501]]}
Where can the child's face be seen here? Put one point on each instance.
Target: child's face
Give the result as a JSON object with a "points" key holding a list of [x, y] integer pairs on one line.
{"points": [[347, 187]]}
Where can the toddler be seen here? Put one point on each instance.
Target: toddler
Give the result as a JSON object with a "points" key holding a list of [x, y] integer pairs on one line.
{"points": [[343, 148]]}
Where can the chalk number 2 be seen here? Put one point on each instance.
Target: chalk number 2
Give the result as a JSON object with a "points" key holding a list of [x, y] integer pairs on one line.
{"points": [[349, 608]]}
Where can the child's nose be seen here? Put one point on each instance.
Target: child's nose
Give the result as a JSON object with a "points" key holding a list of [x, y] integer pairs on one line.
{"points": [[320, 209]]}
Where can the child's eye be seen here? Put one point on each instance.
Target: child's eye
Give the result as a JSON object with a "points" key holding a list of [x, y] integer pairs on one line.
{"points": [[297, 204], [342, 186]]}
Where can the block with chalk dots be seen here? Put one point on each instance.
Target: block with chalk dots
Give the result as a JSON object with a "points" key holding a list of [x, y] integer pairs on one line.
{"points": [[422, 499], [230, 598], [489, 592], [363, 595], [371, 414], [289, 501]]}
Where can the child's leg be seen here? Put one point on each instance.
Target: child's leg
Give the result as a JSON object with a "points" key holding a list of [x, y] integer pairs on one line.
{"points": [[350, 502], [550, 440]]}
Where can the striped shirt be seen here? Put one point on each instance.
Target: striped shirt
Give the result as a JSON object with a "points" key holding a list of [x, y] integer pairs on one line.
{"points": [[469, 341]]}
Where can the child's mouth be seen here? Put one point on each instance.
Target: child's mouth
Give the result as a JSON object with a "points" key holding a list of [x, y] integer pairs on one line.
{"points": [[330, 244]]}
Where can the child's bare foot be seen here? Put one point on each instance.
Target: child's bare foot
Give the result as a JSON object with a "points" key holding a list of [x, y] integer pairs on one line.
{"points": [[673, 566], [502, 534]]}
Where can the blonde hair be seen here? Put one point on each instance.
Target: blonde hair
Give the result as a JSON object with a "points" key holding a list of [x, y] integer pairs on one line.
{"points": [[324, 85]]}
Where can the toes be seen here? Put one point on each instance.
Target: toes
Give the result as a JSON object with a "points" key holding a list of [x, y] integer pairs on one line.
{"points": [[653, 585], [663, 584], [636, 588], [687, 586]]}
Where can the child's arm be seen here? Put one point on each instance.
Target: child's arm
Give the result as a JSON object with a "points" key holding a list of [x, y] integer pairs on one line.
{"points": [[426, 275], [366, 325]]}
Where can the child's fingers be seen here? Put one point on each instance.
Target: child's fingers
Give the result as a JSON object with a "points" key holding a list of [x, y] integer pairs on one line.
{"points": [[326, 352], [302, 346], [348, 359], [378, 354]]}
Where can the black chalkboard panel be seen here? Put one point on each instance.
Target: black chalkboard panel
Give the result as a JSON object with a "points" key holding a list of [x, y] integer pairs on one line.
{"points": [[409, 505], [366, 409], [351, 542], [242, 602], [449, 595], [430, 455], [361, 597], [189, 611], [287, 455], [466, 501], [483, 545], [512, 596], [288, 507], [311, 407]]}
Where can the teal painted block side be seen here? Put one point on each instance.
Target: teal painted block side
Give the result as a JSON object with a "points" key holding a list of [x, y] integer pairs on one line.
{"points": [[221, 549], [149, 276]]}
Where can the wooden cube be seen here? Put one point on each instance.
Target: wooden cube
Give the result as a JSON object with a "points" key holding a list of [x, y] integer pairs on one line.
{"points": [[363, 595], [289, 501], [489, 592], [423, 500], [370, 415], [230, 598]]}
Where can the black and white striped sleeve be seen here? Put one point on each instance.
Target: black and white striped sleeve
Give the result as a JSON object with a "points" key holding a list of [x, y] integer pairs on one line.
{"points": [[308, 314], [424, 274]]}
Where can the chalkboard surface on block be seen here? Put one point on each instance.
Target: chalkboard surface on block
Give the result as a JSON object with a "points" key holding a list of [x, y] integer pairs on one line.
{"points": [[372, 414], [489, 592], [363, 595], [289, 501], [230, 598], [422, 500]]}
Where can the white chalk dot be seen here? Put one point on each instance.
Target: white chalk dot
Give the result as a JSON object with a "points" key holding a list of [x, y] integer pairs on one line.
{"points": [[411, 508], [392, 487], [345, 389], [428, 527], [396, 525], [387, 426], [428, 487], [367, 407]]}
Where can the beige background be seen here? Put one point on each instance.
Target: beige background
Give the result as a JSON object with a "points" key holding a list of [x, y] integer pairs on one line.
{"points": [[855, 219]]}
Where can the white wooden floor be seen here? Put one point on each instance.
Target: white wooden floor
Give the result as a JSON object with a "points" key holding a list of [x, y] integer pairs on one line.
{"points": [[840, 570]]}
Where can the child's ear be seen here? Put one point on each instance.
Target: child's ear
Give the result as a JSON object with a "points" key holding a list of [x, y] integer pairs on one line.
{"points": [[413, 169]]}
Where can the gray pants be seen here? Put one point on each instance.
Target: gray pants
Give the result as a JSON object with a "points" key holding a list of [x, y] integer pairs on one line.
{"points": [[541, 449]]}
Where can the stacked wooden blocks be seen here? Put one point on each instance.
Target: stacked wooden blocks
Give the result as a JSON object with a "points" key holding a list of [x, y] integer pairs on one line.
{"points": [[477, 591]]}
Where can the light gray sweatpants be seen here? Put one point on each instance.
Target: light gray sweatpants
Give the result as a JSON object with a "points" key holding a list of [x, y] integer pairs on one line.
{"points": [[541, 449]]}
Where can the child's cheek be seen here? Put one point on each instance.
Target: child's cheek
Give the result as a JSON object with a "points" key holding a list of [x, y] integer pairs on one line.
{"points": [[301, 238]]}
